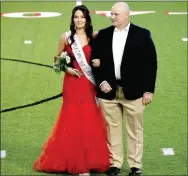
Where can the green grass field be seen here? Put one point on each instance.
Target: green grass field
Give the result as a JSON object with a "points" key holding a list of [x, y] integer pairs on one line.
{"points": [[23, 131]]}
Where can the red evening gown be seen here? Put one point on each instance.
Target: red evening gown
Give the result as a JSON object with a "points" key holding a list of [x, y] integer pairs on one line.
{"points": [[78, 142]]}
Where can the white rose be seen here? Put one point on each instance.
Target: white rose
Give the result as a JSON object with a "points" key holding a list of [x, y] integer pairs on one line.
{"points": [[63, 54], [68, 60]]}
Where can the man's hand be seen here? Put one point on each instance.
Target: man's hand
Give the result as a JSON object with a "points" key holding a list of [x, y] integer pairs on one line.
{"points": [[147, 98], [105, 87], [96, 62]]}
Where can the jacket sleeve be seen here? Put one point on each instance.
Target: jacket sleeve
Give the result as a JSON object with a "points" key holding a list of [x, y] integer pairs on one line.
{"points": [[150, 63], [96, 54]]}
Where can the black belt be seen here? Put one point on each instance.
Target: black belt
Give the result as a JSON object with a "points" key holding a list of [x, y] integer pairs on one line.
{"points": [[119, 82]]}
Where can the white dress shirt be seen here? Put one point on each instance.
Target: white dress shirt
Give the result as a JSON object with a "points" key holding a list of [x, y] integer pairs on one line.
{"points": [[118, 44]]}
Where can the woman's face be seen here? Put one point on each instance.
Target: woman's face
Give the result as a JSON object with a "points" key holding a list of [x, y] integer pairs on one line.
{"points": [[79, 19]]}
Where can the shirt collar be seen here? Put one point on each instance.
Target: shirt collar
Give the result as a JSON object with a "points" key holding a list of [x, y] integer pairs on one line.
{"points": [[123, 30]]}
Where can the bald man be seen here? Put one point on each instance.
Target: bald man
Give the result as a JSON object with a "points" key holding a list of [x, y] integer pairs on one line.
{"points": [[125, 84]]}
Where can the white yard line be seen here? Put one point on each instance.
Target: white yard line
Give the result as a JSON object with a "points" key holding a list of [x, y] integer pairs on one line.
{"points": [[184, 39], [78, 2], [168, 151], [108, 13], [28, 42], [177, 13], [3, 153]]}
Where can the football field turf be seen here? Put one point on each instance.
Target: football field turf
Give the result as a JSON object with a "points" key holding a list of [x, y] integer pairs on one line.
{"points": [[24, 130]]}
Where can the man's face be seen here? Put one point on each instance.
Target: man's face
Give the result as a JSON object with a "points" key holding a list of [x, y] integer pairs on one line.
{"points": [[119, 16]]}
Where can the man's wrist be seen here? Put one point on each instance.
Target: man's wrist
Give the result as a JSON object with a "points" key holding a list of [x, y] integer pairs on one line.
{"points": [[148, 92], [101, 83]]}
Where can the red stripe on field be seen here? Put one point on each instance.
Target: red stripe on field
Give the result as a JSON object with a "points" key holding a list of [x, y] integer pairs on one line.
{"points": [[1, 14], [103, 14], [166, 13], [38, 14]]}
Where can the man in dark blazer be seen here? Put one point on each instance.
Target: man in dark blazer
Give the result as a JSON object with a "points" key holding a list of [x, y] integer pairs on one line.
{"points": [[125, 83]]}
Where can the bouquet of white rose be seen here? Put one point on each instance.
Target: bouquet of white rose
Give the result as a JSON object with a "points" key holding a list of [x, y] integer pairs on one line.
{"points": [[61, 62]]}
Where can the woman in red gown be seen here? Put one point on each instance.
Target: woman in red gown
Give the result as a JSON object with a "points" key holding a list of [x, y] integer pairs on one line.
{"points": [[78, 142]]}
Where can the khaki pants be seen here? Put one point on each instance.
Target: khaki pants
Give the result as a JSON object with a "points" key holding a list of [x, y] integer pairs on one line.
{"points": [[113, 111]]}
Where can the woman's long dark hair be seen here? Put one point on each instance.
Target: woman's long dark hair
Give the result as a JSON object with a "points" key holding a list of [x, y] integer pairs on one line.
{"points": [[88, 27]]}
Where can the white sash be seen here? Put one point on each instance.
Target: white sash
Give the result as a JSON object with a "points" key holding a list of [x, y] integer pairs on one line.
{"points": [[80, 57]]}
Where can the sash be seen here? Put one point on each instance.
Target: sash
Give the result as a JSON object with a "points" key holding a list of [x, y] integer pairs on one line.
{"points": [[80, 57]]}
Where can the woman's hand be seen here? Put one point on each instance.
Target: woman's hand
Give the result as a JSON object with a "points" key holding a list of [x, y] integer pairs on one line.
{"points": [[73, 71], [96, 62]]}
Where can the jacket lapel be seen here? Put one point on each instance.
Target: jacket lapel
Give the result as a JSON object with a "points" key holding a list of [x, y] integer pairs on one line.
{"points": [[111, 58], [111, 32], [130, 32], [128, 41]]}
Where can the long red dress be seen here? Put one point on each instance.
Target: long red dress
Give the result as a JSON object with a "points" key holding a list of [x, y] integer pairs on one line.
{"points": [[78, 142]]}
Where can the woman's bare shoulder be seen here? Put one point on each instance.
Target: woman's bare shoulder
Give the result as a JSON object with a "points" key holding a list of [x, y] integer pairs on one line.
{"points": [[63, 38]]}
